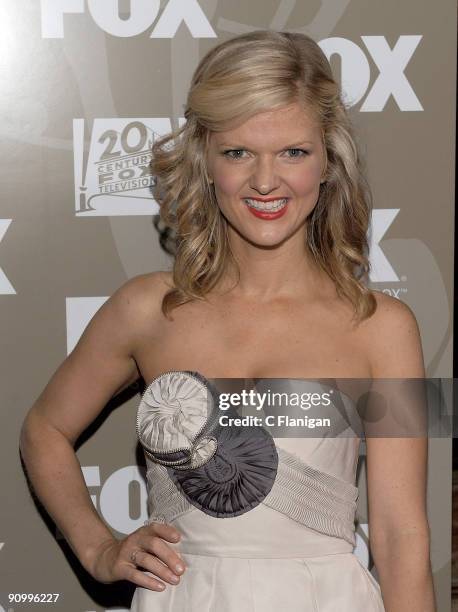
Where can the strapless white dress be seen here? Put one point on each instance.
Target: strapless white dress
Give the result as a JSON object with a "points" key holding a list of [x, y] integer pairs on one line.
{"points": [[290, 549]]}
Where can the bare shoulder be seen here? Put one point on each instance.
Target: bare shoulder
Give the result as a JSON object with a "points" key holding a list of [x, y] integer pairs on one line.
{"points": [[142, 295], [391, 310], [155, 282], [135, 306], [392, 338]]}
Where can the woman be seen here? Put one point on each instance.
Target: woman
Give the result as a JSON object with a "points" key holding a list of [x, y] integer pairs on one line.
{"points": [[264, 189]]}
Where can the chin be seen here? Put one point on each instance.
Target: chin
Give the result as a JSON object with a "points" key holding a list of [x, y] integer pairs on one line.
{"points": [[263, 239], [267, 241]]}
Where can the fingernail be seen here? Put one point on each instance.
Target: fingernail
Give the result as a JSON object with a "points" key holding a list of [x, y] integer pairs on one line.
{"points": [[174, 579], [179, 567]]}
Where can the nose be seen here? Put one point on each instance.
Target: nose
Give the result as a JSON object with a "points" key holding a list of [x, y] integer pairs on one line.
{"points": [[264, 178]]}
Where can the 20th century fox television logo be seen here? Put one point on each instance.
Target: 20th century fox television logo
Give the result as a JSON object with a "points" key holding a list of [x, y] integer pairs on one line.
{"points": [[112, 165]]}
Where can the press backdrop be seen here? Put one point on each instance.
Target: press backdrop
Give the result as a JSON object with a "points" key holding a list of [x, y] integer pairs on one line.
{"points": [[86, 82]]}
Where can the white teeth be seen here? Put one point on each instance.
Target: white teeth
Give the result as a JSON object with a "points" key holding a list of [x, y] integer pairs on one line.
{"points": [[272, 206]]}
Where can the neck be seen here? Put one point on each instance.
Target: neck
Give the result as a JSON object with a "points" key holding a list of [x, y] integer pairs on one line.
{"points": [[267, 273]]}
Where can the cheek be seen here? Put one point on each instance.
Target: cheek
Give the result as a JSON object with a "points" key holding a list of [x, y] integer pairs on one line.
{"points": [[307, 181], [227, 183]]}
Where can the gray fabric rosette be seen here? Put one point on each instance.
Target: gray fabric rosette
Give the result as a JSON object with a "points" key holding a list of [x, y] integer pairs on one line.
{"points": [[222, 470]]}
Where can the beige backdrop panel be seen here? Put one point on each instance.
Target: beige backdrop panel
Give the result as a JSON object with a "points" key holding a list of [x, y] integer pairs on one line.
{"points": [[71, 231]]}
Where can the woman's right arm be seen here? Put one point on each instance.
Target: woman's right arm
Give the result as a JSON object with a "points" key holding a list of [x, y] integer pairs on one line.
{"points": [[100, 365]]}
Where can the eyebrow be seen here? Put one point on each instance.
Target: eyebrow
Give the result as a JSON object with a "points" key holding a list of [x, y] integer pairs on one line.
{"points": [[288, 146]]}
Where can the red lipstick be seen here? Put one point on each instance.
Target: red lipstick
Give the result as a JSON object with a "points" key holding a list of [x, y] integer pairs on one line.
{"points": [[267, 214]]}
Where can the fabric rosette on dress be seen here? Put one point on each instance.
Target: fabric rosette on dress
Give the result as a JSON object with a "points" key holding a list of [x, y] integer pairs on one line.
{"points": [[225, 470]]}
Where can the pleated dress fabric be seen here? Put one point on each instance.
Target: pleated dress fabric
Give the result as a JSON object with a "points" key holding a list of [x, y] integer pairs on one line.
{"points": [[292, 551]]}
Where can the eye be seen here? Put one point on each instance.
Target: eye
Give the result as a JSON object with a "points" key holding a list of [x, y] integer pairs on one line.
{"points": [[227, 153], [233, 153], [302, 151]]}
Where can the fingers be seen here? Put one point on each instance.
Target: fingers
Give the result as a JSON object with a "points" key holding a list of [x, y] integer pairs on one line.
{"points": [[158, 558], [164, 553], [152, 553], [156, 567], [165, 531], [144, 580]]}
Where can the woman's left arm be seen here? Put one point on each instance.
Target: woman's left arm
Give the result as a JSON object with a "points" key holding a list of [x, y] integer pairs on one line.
{"points": [[397, 471]]}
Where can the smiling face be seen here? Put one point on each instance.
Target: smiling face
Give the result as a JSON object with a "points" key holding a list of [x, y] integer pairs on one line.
{"points": [[274, 161]]}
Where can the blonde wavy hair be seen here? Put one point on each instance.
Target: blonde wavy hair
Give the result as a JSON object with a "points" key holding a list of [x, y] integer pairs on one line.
{"points": [[248, 74]]}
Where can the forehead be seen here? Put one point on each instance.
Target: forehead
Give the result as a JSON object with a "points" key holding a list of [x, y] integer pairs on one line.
{"points": [[276, 127]]}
